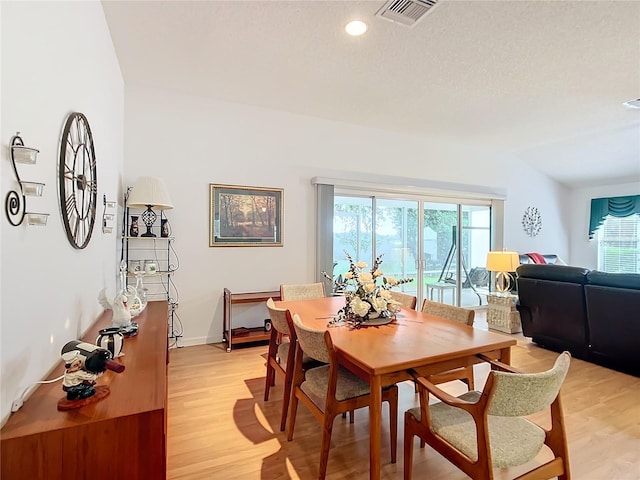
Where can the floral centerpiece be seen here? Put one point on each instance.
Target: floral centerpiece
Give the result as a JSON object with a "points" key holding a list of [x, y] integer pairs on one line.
{"points": [[366, 292]]}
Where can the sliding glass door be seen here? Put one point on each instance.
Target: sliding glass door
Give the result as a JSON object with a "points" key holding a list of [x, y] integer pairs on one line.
{"points": [[396, 238], [419, 240]]}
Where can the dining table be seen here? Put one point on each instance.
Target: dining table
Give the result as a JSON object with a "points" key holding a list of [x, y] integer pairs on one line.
{"points": [[384, 354]]}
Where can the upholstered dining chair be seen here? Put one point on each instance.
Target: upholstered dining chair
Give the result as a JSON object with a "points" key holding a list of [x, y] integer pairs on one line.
{"points": [[280, 356], [458, 314], [479, 431], [331, 389], [303, 291], [404, 299]]}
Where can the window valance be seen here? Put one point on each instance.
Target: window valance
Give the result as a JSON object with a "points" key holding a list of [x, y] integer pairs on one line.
{"points": [[614, 206]]}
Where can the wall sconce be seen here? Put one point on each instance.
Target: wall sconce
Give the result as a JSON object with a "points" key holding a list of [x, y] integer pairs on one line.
{"points": [[503, 263], [107, 217], [149, 192], [16, 204]]}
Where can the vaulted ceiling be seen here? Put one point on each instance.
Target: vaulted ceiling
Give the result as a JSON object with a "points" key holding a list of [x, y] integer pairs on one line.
{"points": [[542, 80]]}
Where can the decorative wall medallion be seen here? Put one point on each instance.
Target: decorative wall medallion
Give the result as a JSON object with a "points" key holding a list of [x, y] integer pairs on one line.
{"points": [[78, 180], [532, 221]]}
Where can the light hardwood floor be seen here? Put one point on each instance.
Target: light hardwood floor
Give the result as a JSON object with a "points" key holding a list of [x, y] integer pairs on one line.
{"points": [[219, 427]]}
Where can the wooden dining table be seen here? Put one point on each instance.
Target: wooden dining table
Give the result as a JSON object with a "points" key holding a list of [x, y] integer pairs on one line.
{"points": [[382, 355]]}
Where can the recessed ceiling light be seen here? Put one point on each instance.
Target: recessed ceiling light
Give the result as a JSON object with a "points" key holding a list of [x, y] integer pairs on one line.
{"points": [[632, 103], [355, 28]]}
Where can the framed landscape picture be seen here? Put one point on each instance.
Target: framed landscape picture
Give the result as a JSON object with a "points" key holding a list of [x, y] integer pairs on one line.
{"points": [[245, 216]]}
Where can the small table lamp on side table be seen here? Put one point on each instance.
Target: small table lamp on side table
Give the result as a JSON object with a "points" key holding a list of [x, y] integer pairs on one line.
{"points": [[503, 263]]}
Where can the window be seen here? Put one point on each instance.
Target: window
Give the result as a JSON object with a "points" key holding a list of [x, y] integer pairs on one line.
{"points": [[619, 245]]}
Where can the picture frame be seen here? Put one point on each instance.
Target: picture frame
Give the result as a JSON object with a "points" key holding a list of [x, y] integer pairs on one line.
{"points": [[242, 216]]}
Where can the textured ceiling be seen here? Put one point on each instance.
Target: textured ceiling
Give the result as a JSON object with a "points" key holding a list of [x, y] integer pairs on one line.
{"points": [[542, 80]]}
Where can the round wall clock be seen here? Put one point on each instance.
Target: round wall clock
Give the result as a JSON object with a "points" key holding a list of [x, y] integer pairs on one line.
{"points": [[532, 221], [77, 178]]}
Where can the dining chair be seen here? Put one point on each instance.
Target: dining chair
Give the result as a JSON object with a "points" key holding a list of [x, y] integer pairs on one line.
{"points": [[404, 299], [331, 389], [303, 291], [458, 314], [479, 431], [280, 356]]}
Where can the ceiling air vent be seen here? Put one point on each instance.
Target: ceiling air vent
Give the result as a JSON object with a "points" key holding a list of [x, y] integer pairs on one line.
{"points": [[406, 12]]}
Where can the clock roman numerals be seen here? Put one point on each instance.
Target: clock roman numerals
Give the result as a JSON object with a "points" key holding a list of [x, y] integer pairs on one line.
{"points": [[71, 207]]}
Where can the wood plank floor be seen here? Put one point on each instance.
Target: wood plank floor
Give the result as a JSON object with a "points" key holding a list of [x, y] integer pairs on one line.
{"points": [[219, 427]]}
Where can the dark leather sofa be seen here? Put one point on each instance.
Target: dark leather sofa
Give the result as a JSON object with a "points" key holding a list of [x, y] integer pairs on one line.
{"points": [[594, 315]]}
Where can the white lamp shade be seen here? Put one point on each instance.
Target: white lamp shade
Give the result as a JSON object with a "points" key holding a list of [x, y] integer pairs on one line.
{"points": [[150, 191], [502, 261]]}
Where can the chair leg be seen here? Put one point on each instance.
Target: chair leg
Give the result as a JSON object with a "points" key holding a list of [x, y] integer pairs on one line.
{"points": [[408, 449], [292, 416], [286, 397], [352, 416], [271, 373], [326, 444]]}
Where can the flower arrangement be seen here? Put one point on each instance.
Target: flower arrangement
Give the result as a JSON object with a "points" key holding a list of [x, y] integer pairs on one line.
{"points": [[366, 292]]}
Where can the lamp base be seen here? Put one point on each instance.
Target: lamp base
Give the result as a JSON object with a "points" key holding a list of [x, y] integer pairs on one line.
{"points": [[504, 282], [149, 218]]}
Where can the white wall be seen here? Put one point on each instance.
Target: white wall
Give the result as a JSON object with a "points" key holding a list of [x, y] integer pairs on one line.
{"points": [[191, 142], [57, 57], [528, 187], [584, 252]]}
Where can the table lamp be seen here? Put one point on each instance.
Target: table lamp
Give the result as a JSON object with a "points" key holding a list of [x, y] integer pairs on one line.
{"points": [[149, 192], [503, 263]]}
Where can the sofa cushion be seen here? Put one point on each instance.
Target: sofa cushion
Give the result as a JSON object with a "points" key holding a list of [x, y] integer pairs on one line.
{"points": [[557, 273], [618, 280]]}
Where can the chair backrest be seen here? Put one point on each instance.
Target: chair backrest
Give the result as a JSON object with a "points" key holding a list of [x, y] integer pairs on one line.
{"points": [[520, 394], [304, 291], [404, 299], [311, 340], [278, 317], [459, 314]]}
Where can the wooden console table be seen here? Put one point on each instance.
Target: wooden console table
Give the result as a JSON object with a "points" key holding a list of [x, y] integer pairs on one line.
{"points": [[122, 436], [251, 334]]}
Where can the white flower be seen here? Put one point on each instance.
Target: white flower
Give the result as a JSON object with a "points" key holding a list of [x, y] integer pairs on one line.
{"points": [[393, 306], [378, 273], [365, 277], [391, 280], [362, 265], [369, 287], [348, 275], [359, 307], [379, 304], [386, 294]]}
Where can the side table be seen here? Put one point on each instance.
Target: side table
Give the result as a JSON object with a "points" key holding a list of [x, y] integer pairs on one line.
{"points": [[440, 288], [502, 314]]}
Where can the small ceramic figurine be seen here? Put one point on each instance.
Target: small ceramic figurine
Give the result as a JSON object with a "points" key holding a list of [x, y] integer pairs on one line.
{"points": [[84, 363], [119, 305], [77, 382]]}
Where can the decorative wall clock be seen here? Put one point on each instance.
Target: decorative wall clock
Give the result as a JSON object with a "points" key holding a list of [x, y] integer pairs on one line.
{"points": [[77, 178], [532, 221]]}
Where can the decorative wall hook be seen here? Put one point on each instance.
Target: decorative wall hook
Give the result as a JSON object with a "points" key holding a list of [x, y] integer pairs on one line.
{"points": [[16, 204]]}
